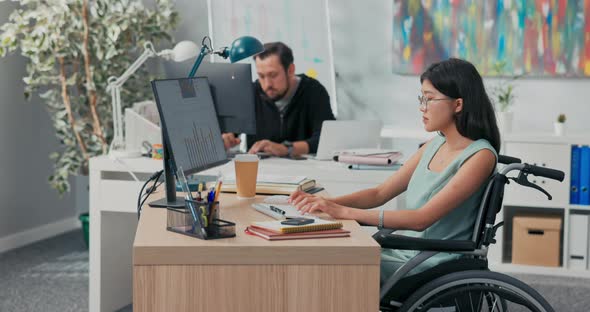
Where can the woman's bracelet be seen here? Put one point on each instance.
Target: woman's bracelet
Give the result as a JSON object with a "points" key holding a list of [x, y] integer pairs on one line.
{"points": [[380, 226]]}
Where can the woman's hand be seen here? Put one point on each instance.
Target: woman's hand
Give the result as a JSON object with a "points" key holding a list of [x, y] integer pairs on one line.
{"points": [[311, 203], [298, 196]]}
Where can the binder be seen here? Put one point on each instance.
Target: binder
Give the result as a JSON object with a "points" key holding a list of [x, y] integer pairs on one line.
{"points": [[575, 176], [578, 238], [585, 175]]}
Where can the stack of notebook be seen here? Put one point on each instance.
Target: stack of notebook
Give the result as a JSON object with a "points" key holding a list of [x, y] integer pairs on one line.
{"points": [[274, 230], [274, 185]]}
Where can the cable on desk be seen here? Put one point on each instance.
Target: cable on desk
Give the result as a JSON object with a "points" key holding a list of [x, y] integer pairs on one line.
{"points": [[140, 198]]}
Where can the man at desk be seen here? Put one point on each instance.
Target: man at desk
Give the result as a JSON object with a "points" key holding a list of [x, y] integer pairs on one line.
{"points": [[290, 109]]}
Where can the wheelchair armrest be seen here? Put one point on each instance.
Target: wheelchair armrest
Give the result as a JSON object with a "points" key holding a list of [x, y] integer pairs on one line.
{"points": [[395, 241]]}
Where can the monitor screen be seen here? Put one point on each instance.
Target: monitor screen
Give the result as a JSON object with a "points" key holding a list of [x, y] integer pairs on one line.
{"points": [[233, 95], [232, 90], [189, 127]]}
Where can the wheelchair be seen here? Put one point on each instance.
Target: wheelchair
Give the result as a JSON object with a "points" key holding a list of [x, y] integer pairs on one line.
{"points": [[466, 283]]}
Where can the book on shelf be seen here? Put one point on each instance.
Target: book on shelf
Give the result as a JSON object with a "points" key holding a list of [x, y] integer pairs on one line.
{"points": [[271, 235], [575, 175], [277, 227], [273, 188]]}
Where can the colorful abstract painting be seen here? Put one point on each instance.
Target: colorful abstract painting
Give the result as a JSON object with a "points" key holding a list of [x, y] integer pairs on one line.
{"points": [[542, 38]]}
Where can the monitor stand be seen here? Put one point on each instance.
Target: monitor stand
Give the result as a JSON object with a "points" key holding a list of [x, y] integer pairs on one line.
{"points": [[170, 181], [164, 203]]}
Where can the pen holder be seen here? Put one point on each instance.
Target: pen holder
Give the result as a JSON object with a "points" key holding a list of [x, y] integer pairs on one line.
{"points": [[208, 225]]}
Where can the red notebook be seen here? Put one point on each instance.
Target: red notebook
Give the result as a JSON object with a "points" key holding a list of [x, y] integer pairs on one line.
{"points": [[271, 235]]}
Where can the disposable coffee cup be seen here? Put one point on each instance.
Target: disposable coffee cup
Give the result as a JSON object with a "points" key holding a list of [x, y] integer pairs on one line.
{"points": [[246, 174]]}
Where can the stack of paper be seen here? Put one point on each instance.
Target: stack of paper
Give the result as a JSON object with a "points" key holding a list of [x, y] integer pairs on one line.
{"points": [[370, 159], [273, 184]]}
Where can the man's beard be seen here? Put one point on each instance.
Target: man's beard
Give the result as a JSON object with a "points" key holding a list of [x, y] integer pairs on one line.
{"points": [[278, 97]]}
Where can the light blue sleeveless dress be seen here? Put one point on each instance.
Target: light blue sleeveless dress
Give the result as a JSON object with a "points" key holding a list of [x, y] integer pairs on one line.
{"points": [[424, 185]]}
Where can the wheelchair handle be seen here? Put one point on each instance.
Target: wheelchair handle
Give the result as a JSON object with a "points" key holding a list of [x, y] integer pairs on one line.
{"points": [[545, 172], [503, 159], [535, 170]]}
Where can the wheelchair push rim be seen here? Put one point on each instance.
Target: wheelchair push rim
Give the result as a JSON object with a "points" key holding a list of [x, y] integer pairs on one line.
{"points": [[476, 291]]}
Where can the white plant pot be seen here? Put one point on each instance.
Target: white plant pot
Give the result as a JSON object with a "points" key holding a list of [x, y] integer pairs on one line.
{"points": [[559, 128], [504, 120]]}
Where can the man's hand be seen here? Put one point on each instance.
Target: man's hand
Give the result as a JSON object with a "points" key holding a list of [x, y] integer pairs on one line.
{"points": [[276, 149], [230, 140]]}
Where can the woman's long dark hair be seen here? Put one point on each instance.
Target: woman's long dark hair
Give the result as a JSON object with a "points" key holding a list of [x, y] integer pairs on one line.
{"points": [[457, 78]]}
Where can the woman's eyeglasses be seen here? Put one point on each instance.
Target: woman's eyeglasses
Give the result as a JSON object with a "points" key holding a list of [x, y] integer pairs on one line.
{"points": [[423, 101]]}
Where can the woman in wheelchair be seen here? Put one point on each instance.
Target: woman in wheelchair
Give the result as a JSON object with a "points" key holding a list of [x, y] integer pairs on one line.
{"points": [[444, 181]]}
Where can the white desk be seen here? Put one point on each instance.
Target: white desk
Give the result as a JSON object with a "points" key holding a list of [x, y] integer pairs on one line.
{"points": [[113, 215]]}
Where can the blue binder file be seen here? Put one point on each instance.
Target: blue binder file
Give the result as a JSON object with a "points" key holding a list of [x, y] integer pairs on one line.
{"points": [[585, 175], [575, 179]]}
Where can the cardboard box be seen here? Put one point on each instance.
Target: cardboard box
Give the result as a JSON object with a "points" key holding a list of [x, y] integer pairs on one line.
{"points": [[536, 240]]}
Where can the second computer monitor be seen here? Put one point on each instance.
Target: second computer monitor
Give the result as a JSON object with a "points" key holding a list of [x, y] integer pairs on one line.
{"points": [[233, 95]]}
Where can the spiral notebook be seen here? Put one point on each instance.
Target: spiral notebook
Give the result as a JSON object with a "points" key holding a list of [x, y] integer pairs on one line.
{"points": [[270, 235], [317, 225]]}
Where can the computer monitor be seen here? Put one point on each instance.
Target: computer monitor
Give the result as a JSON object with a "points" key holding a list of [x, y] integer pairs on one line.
{"points": [[232, 89], [233, 95], [190, 132]]}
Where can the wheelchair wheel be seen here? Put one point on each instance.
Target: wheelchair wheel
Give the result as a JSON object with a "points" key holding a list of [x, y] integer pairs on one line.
{"points": [[476, 291]]}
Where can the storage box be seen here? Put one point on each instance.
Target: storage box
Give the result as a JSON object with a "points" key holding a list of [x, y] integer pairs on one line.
{"points": [[536, 240]]}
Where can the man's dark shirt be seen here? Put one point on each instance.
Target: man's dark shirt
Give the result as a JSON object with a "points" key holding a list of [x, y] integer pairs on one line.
{"points": [[301, 120]]}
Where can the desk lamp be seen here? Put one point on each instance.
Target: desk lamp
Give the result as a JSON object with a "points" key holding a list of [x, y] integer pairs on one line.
{"points": [[183, 50], [240, 49]]}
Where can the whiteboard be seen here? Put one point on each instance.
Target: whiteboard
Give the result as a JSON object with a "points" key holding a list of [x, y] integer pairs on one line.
{"points": [[303, 25]]}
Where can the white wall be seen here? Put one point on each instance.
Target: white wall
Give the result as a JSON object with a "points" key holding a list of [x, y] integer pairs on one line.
{"points": [[26, 139], [367, 88]]}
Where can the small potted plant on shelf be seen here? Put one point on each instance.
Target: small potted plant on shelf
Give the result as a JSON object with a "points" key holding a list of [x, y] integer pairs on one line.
{"points": [[559, 125], [503, 95]]}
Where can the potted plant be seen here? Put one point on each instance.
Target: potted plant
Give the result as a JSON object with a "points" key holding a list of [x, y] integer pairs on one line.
{"points": [[503, 96], [72, 47], [559, 125]]}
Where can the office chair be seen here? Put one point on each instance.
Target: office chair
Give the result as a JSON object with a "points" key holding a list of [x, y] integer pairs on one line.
{"points": [[466, 283]]}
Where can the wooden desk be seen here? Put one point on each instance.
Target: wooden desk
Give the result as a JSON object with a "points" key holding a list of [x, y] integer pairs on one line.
{"points": [[174, 272]]}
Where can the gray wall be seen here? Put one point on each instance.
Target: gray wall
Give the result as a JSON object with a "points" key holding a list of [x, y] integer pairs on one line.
{"points": [[367, 88], [26, 139]]}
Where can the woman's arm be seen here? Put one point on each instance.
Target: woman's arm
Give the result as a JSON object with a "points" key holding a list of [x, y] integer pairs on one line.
{"points": [[472, 174]]}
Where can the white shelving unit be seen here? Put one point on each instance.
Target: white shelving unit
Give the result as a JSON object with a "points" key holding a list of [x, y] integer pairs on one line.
{"points": [[545, 151]]}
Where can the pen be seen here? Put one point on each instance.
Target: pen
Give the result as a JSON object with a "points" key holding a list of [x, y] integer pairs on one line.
{"points": [[213, 204], [211, 195], [184, 184], [200, 189], [217, 191], [277, 210]]}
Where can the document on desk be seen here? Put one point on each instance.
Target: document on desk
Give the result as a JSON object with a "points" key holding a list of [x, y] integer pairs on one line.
{"points": [[270, 179], [281, 211]]}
